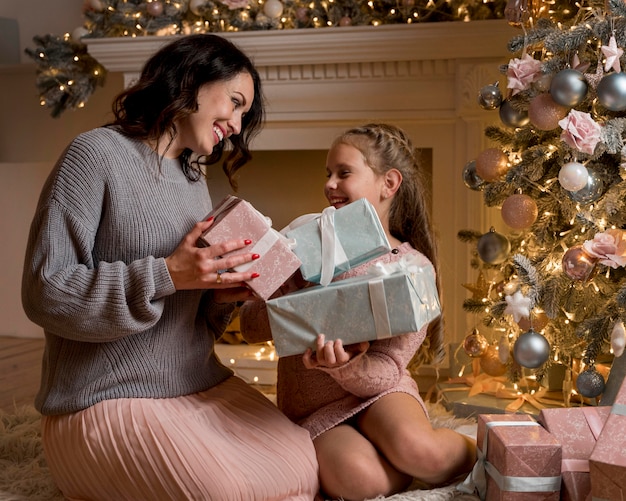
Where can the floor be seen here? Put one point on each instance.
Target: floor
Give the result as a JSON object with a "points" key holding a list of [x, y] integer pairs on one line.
{"points": [[20, 364]]}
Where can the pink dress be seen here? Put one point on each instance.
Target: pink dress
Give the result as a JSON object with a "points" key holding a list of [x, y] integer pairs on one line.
{"points": [[228, 443], [320, 399]]}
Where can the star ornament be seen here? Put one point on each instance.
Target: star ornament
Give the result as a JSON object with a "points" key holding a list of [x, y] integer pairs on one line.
{"points": [[612, 53], [480, 289], [518, 305]]}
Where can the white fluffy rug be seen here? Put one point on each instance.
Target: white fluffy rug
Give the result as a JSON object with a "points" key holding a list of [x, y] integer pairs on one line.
{"points": [[24, 474]]}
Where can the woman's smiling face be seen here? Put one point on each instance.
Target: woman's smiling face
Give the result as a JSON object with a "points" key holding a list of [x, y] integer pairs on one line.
{"points": [[221, 108]]}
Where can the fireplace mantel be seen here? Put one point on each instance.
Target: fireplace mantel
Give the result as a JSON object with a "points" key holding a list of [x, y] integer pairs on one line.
{"points": [[353, 44], [423, 77]]}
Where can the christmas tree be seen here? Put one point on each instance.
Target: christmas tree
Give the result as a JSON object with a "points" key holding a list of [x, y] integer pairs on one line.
{"points": [[551, 288]]}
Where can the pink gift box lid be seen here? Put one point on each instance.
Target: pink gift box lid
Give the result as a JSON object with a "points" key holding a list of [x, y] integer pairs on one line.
{"points": [[236, 218], [576, 428]]}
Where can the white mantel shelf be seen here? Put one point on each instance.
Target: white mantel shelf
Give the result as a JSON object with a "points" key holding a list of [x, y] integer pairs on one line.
{"points": [[410, 42]]}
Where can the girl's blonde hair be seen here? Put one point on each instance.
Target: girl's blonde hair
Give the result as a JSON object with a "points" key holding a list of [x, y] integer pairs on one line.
{"points": [[386, 147]]}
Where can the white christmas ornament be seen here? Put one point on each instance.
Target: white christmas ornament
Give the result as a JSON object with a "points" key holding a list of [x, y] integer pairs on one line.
{"points": [[618, 339], [96, 5], [79, 33], [518, 305], [194, 6], [273, 8], [573, 176]]}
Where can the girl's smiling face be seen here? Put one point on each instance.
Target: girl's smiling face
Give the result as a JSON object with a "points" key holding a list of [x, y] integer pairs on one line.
{"points": [[351, 178]]}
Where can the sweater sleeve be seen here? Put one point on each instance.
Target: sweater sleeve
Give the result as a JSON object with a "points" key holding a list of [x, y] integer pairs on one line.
{"points": [[379, 368], [85, 276], [254, 322], [65, 293]]}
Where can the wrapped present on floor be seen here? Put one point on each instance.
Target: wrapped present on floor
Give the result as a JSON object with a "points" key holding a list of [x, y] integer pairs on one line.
{"points": [[469, 396], [517, 460], [235, 218], [577, 429], [393, 299], [607, 464], [334, 241]]}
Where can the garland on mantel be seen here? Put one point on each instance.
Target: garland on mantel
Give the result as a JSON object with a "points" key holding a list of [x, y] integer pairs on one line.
{"points": [[67, 75]]}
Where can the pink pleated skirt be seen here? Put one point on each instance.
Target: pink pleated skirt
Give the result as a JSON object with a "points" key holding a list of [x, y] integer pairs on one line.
{"points": [[226, 443]]}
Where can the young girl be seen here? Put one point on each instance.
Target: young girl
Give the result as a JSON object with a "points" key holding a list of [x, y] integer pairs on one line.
{"points": [[370, 427]]}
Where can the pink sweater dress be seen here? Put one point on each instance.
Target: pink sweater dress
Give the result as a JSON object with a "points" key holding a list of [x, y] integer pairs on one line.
{"points": [[320, 399]]}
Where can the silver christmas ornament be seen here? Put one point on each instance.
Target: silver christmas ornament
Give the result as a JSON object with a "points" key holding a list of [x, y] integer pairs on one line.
{"points": [[493, 247], [490, 97], [568, 87], [512, 117], [612, 91], [590, 383], [531, 350], [472, 180], [591, 192]]}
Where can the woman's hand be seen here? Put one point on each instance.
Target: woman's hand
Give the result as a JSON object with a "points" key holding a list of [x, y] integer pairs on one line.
{"points": [[332, 353], [193, 267]]}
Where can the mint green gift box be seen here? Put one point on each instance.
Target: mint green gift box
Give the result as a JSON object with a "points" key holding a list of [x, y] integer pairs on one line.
{"points": [[334, 241], [356, 309]]}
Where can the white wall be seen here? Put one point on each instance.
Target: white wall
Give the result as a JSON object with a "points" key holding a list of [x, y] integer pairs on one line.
{"points": [[38, 17], [18, 197], [29, 142]]}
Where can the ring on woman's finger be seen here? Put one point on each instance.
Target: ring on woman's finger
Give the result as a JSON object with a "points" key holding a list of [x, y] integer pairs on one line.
{"points": [[219, 277]]}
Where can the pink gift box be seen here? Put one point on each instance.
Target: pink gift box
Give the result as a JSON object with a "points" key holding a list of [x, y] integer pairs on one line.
{"points": [[517, 460], [607, 464], [577, 429], [236, 218]]}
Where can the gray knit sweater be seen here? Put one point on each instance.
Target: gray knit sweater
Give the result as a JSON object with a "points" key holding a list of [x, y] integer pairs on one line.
{"points": [[95, 278]]}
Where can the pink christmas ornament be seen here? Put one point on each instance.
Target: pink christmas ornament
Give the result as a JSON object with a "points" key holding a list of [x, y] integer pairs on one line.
{"points": [[544, 113], [475, 344], [577, 264], [491, 164], [154, 8], [519, 211], [612, 53]]}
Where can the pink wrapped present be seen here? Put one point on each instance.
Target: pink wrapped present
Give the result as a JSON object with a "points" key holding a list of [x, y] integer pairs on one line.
{"points": [[577, 429], [517, 460], [235, 218], [607, 464]]}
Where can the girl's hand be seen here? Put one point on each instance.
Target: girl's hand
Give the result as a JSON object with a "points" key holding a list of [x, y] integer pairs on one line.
{"points": [[193, 267], [332, 353]]}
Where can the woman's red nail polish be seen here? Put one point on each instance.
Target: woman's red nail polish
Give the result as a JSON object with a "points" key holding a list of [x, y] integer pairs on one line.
{"points": [[210, 218], [255, 256], [247, 241], [255, 275]]}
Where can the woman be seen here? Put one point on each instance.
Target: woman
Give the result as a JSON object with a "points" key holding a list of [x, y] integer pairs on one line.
{"points": [[135, 403]]}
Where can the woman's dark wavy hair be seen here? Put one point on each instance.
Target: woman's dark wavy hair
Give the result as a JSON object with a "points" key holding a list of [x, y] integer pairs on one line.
{"points": [[167, 91]]}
